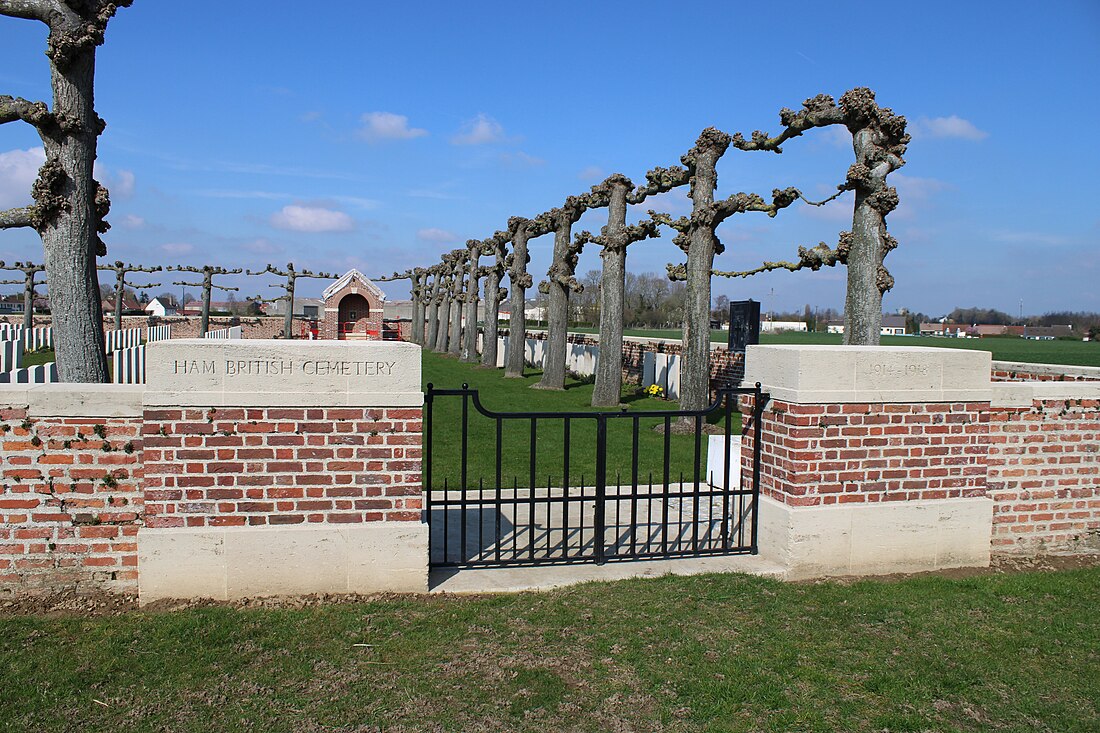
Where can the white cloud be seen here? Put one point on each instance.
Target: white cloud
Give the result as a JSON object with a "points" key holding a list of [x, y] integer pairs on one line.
{"points": [[131, 221], [311, 219], [591, 173], [431, 234], [520, 159], [947, 127], [177, 248], [481, 130], [119, 183], [915, 187], [18, 169], [378, 126], [262, 247]]}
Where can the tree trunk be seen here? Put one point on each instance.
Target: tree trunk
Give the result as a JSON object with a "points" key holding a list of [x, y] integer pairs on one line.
{"points": [[609, 362], [28, 303], [492, 318], [418, 283], [444, 326], [70, 239], [288, 319], [557, 317], [469, 337], [204, 323], [120, 294], [520, 280], [695, 360], [454, 338], [863, 302], [433, 313]]}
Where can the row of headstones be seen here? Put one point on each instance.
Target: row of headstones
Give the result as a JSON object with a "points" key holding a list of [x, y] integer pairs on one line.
{"points": [[124, 347], [657, 368], [128, 365], [32, 338]]}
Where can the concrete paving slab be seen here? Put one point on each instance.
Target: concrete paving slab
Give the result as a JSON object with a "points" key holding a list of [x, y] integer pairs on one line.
{"points": [[546, 577]]}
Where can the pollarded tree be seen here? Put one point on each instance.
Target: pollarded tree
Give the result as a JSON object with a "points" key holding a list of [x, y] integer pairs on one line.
{"points": [[458, 297], [879, 141], [521, 231], [615, 237], [473, 288], [431, 302], [447, 274], [30, 272], [291, 276], [208, 272], [69, 206], [698, 240], [496, 247], [121, 270], [415, 276], [561, 282]]}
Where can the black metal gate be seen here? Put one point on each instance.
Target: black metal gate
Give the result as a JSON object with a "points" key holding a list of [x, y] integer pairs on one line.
{"points": [[500, 491]]}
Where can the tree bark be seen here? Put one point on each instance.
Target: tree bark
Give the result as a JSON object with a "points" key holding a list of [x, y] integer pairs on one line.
{"points": [[494, 294], [70, 206], [473, 277], [522, 230], [458, 287], [561, 281], [433, 308], [417, 292], [695, 360], [443, 327]]}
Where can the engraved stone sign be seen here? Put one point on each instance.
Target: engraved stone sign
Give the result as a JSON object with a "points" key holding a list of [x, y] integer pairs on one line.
{"points": [[268, 372]]}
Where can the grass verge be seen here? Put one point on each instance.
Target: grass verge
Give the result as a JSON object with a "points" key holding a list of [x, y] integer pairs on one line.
{"points": [[705, 653]]}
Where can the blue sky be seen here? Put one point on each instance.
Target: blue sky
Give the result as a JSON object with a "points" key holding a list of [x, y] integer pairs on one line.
{"points": [[378, 135]]}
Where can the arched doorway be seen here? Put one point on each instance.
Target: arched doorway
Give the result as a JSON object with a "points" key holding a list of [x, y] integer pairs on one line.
{"points": [[354, 316]]}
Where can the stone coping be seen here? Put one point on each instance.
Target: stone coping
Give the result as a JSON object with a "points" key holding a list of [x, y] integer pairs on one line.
{"points": [[75, 400], [816, 374], [1069, 370], [1022, 394]]}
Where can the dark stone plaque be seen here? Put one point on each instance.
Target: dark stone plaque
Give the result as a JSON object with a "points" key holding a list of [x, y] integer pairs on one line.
{"points": [[744, 324]]}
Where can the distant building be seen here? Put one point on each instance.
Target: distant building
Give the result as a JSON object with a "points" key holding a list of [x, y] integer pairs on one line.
{"points": [[156, 307], [311, 308], [129, 303], [353, 307], [11, 304], [894, 325]]}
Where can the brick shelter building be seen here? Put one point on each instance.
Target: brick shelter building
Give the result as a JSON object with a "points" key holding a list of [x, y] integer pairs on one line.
{"points": [[353, 309]]}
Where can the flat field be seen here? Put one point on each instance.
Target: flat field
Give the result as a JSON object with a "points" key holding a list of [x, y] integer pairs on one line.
{"points": [[1004, 348], [1015, 653]]}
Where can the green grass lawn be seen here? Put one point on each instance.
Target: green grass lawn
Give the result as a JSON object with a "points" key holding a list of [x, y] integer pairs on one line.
{"points": [[705, 653], [34, 358], [514, 395], [1004, 348]]}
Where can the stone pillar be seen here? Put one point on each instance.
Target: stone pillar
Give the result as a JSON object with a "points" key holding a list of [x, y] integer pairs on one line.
{"points": [[278, 467], [874, 459]]}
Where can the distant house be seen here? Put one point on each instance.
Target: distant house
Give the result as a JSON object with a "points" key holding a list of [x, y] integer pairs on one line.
{"points": [[156, 307], [891, 326], [11, 304], [129, 303]]}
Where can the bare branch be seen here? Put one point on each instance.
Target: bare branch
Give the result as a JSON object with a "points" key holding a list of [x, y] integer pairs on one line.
{"points": [[659, 180], [817, 111], [813, 259], [13, 218], [27, 9], [17, 108]]}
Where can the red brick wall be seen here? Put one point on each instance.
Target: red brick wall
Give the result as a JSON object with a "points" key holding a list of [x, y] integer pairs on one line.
{"points": [[1044, 475], [1015, 375], [329, 326], [256, 466], [827, 454], [70, 503]]}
